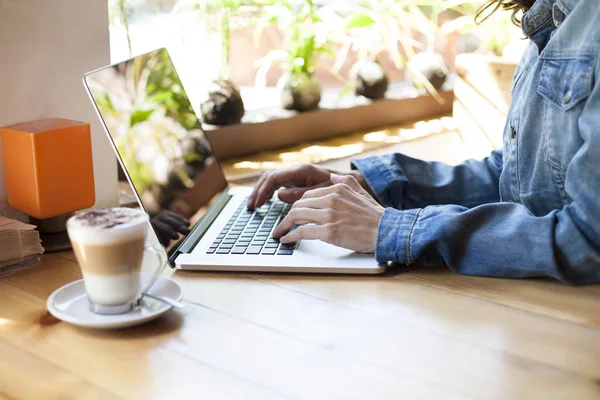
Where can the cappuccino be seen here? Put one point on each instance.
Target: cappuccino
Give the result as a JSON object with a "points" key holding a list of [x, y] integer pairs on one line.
{"points": [[109, 246]]}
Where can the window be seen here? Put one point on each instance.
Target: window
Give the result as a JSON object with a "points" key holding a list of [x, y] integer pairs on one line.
{"points": [[194, 42]]}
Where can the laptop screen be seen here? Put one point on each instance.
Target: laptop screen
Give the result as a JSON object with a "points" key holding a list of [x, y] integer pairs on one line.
{"points": [[158, 137]]}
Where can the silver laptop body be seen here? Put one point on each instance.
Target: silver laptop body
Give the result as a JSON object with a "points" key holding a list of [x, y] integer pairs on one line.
{"points": [[166, 158]]}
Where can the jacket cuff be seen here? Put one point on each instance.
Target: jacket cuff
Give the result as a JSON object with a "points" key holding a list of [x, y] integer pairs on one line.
{"points": [[379, 177], [394, 235]]}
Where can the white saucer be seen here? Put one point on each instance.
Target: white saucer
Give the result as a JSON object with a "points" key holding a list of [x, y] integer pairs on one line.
{"points": [[70, 304]]}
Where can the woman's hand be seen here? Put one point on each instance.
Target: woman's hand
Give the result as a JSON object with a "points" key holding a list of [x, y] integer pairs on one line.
{"points": [[168, 225], [343, 214], [296, 181]]}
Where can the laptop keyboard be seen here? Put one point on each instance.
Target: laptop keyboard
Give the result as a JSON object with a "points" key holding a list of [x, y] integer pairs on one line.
{"points": [[249, 232]]}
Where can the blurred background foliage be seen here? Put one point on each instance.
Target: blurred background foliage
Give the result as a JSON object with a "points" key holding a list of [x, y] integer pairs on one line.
{"points": [[201, 32], [151, 121], [256, 43]]}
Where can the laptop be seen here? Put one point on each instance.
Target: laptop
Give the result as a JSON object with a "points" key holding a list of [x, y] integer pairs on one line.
{"points": [[169, 163]]}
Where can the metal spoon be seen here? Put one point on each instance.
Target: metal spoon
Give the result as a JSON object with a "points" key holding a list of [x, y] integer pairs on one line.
{"points": [[167, 300]]}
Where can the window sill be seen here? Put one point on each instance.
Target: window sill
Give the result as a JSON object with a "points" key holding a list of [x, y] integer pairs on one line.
{"points": [[273, 128]]}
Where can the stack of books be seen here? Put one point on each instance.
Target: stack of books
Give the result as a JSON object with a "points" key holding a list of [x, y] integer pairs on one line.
{"points": [[20, 244]]}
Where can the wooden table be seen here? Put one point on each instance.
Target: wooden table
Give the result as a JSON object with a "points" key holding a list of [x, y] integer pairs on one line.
{"points": [[414, 333]]}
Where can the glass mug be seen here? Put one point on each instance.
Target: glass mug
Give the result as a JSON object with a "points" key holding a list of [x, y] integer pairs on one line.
{"points": [[109, 245]]}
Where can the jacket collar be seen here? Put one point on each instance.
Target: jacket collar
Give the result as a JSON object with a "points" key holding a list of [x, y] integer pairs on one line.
{"points": [[543, 18], [545, 12], [537, 18]]}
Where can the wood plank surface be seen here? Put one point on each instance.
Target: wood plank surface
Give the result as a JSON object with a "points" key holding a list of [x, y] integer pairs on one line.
{"points": [[412, 333], [408, 334]]}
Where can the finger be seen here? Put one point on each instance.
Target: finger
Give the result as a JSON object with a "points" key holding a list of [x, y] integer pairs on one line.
{"points": [[338, 188], [348, 180], [337, 197], [353, 184], [175, 223], [178, 226], [271, 183], [164, 232], [309, 232], [257, 186], [292, 195], [328, 202], [301, 216], [176, 216], [259, 190], [182, 229], [161, 237], [344, 193]]}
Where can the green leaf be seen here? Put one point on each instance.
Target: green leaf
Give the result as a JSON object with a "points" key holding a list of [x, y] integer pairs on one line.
{"points": [[104, 102], [186, 5], [264, 2], [191, 157], [326, 50], [359, 21], [140, 116], [309, 51], [161, 97]]}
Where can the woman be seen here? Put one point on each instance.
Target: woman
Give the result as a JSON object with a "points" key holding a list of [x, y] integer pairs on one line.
{"points": [[531, 209]]}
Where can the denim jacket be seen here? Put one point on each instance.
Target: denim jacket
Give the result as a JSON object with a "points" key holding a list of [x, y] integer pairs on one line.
{"points": [[532, 208]]}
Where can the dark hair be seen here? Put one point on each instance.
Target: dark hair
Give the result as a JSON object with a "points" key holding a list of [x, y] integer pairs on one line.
{"points": [[492, 6]]}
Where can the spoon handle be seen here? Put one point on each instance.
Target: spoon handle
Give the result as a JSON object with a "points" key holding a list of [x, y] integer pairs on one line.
{"points": [[167, 300]]}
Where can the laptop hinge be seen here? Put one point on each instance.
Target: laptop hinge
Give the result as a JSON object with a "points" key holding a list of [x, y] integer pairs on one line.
{"points": [[187, 244]]}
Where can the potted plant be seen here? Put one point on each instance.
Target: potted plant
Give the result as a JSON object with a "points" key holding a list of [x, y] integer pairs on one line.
{"points": [[305, 39], [373, 27], [224, 105]]}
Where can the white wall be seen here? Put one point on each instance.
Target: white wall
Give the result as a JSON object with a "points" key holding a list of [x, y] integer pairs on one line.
{"points": [[45, 48]]}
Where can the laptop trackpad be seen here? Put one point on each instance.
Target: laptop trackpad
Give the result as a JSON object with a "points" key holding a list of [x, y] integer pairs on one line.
{"points": [[317, 247]]}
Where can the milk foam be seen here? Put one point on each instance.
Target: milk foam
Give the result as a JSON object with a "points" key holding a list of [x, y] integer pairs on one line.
{"points": [[111, 225]]}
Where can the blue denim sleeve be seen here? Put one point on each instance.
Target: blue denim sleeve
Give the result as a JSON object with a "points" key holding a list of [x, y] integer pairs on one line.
{"points": [[403, 182], [505, 239]]}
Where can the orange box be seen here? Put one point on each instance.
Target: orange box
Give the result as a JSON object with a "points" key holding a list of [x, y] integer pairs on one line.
{"points": [[48, 166]]}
